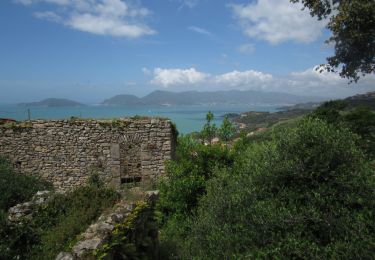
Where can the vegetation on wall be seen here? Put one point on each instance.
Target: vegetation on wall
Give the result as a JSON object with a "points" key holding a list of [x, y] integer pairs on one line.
{"points": [[134, 238], [194, 164], [16, 187], [54, 227]]}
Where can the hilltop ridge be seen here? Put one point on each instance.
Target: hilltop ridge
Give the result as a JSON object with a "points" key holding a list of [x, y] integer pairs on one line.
{"points": [[53, 102], [160, 97]]}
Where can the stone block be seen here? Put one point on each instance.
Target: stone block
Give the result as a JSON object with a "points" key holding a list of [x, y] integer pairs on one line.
{"points": [[115, 151]]}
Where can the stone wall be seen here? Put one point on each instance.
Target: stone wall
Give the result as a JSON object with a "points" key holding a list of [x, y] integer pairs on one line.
{"points": [[67, 152], [129, 226]]}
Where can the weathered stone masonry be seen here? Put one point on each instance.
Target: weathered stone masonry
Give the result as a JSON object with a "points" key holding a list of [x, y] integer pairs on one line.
{"points": [[67, 152]]}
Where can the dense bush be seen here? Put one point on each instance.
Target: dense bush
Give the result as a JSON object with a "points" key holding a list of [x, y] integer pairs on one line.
{"points": [[329, 112], [136, 237], [360, 120], [308, 193], [209, 129], [186, 182], [16, 187], [55, 226], [187, 175], [226, 130]]}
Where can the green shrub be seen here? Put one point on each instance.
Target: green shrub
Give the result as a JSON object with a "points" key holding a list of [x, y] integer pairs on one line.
{"points": [[209, 129], [308, 193], [56, 225], [330, 111], [187, 175], [94, 179], [186, 183], [68, 215], [134, 238], [226, 130], [360, 120], [16, 187]]}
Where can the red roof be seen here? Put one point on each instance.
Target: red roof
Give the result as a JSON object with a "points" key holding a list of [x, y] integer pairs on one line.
{"points": [[6, 120]]}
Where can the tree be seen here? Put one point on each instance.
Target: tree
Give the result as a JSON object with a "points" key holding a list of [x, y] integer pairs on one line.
{"points": [[187, 176], [227, 130], [352, 23], [360, 121], [306, 194], [209, 129]]}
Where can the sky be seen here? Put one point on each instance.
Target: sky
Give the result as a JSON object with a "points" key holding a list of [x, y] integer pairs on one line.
{"points": [[90, 50]]}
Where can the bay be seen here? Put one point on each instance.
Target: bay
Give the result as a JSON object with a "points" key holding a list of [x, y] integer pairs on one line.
{"points": [[187, 118]]}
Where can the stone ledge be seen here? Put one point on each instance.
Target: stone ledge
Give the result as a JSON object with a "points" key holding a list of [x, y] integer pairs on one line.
{"points": [[97, 234], [27, 209]]}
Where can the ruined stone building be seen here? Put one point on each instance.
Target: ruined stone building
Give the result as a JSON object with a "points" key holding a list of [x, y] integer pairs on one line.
{"points": [[67, 152]]}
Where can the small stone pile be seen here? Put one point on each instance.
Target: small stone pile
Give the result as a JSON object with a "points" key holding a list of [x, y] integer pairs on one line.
{"points": [[25, 210]]}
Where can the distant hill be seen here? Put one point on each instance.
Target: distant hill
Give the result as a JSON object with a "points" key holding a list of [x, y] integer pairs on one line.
{"points": [[255, 120], [303, 106], [209, 98], [367, 100], [123, 100], [53, 102]]}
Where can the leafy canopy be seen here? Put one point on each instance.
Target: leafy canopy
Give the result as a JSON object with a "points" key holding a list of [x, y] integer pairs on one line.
{"points": [[226, 130], [352, 23], [307, 194], [209, 129], [360, 121], [16, 187]]}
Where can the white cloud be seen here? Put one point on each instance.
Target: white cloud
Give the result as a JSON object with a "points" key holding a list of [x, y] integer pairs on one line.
{"points": [[243, 78], [119, 18], [318, 75], [191, 3], [277, 21], [102, 25], [199, 30], [189, 77], [246, 48], [178, 77], [321, 82], [58, 2], [187, 3], [307, 82], [48, 15], [24, 2]]}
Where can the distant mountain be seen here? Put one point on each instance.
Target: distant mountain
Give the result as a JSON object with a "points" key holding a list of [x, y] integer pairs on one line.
{"points": [[123, 100], [367, 100], [254, 120], [209, 98], [302, 106], [53, 102]]}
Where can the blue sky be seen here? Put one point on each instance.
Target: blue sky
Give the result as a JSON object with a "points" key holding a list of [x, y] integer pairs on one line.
{"points": [[89, 50]]}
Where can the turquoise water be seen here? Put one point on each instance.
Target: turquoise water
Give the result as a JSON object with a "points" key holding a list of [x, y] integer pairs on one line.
{"points": [[187, 118]]}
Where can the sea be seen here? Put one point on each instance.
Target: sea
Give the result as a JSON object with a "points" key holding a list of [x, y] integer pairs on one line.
{"points": [[187, 118]]}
